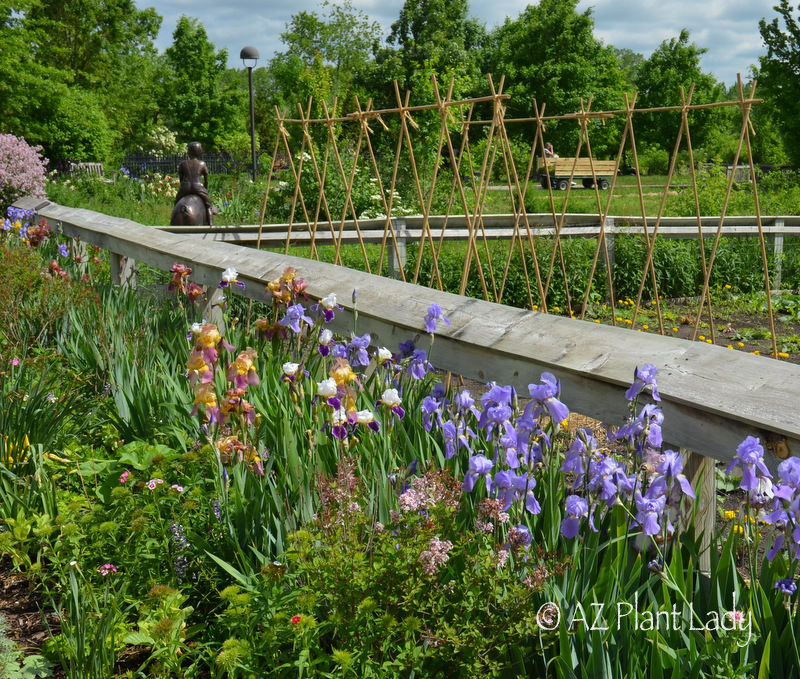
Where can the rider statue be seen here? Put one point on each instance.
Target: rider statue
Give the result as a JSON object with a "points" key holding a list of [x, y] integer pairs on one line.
{"points": [[193, 175]]}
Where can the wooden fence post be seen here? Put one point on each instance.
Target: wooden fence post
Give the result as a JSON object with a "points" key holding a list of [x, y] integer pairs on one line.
{"points": [[701, 472], [777, 251], [397, 264], [213, 312], [123, 270]]}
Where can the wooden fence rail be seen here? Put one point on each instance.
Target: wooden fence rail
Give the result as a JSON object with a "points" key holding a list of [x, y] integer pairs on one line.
{"points": [[412, 229], [712, 398]]}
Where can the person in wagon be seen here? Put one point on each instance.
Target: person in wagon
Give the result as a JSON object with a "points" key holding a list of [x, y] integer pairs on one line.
{"points": [[193, 175]]}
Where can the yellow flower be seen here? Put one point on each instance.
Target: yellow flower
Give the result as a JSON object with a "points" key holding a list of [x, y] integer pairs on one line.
{"points": [[730, 346], [342, 372], [730, 514], [10, 450], [702, 338], [645, 327], [783, 354], [740, 344]]}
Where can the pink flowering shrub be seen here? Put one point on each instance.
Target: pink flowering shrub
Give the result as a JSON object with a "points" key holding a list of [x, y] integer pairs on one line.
{"points": [[22, 170]]}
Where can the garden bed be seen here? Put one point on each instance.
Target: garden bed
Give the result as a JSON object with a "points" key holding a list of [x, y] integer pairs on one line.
{"points": [[287, 500]]}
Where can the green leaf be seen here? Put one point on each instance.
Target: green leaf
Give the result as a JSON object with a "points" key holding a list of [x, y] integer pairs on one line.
{"points": [[138, 639], [763, 670]]}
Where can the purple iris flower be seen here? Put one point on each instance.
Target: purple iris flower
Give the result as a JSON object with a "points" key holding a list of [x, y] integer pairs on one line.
{"points": [[360, 346], [406, 348], [544, 396], [479, 465], [643, 377], [294, 315], [787, 586], [671, 468], [434, 314], [496, 405], [576, 507], [525, 485], [431, 407], [456, 436], [419, 366], [651, 510], [750, 457], [789, 472], [63, 250], [604, 471], [339, 350], [503, 485], [464, 403]]}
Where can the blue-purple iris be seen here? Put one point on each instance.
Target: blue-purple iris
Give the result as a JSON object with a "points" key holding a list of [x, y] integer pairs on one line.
{"points": [[644, 376], [359, 346], [545, 397], [295, 314], [479, 465], [750, 457], [434, 314], [576, 508]]}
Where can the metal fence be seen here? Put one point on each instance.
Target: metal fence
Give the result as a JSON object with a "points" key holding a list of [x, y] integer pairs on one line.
{"points": [[141, 164]]}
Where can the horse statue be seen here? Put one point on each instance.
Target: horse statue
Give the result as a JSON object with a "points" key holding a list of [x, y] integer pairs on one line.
{"points": [[192, 203], [189, 211]]}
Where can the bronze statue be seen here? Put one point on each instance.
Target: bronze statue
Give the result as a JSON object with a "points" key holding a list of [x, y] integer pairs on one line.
{"points": [[192, 203]]}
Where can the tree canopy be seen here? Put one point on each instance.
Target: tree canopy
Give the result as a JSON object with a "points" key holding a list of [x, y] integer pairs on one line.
{"points": [[83, 77], [780, 74]]}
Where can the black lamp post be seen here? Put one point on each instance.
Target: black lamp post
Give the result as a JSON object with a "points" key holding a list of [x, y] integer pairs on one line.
{"points": [[249, 57]]}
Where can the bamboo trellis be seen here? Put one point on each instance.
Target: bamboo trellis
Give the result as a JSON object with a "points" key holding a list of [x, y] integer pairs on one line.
{"points": [[330, 160]]}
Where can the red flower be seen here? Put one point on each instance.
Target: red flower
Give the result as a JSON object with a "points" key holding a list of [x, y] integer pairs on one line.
{"points": [[296, 619]]}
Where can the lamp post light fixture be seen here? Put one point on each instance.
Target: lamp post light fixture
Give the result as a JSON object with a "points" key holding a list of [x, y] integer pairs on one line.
{"points": [[249, 57]]}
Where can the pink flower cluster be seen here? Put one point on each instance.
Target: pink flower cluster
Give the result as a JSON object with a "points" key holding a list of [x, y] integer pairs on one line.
{"points": [[436, 555], [22, 169]]}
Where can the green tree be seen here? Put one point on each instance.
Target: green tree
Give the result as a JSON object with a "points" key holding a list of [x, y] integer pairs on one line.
{"points": [[779, 77], [96, 52], [342, 39], [676, 64], [549, 53], [199, 106], [629, 62], [433, 37]]}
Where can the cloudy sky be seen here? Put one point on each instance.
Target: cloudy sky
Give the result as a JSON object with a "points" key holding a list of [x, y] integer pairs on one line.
{"points": [[727, 28]]}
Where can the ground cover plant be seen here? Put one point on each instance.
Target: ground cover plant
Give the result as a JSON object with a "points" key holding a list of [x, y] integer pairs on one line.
{"points": [[273, 499]]}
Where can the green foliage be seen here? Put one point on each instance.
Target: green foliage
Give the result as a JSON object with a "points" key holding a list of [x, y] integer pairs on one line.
{"points": [[197, 106], [659, 79], [14, 664], [780, 73], [549, 54], [80, 76], [78, 128], [341, 39]]}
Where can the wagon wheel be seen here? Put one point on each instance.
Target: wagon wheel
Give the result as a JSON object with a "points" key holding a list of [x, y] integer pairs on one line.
{"points": [[604, 184], [562, 184]]}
